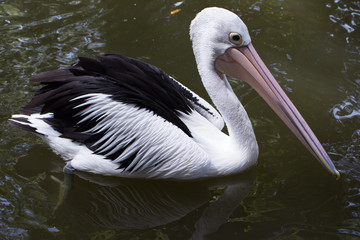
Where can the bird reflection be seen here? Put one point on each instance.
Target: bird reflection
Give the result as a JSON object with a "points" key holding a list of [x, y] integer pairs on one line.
{"points": [[126, 204], [129, 204], [218, 212], [135, 204]]}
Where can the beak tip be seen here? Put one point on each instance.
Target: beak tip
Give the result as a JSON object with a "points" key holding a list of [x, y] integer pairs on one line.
{"points": [[337, 174]]}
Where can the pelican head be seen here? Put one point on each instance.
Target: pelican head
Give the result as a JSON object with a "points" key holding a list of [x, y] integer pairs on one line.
{"points": [[224, 29], [229, 51]]}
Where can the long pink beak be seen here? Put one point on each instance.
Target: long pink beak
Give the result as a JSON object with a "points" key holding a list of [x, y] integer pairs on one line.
{"points": [[245, 64]]}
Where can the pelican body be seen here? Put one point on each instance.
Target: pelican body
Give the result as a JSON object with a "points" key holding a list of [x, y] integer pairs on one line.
{"points": [[118, 116]]}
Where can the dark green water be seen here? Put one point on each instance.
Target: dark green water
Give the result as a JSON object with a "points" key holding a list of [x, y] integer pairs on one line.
{"points": [[312, 49]]}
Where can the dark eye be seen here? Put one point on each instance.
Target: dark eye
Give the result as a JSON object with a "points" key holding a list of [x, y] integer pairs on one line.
{"points": [[235, 38]]}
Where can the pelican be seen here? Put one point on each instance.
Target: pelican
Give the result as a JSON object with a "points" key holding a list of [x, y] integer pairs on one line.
{"points": [[117, 116]]}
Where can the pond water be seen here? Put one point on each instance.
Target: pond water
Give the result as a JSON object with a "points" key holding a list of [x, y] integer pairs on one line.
{"points": [[311, 47]]}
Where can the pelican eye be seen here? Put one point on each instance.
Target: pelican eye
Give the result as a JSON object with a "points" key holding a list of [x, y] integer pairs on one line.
{"points": [[235, 38]]}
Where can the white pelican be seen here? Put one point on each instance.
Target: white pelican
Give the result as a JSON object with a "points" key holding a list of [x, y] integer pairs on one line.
{"points": [[118, 116]]}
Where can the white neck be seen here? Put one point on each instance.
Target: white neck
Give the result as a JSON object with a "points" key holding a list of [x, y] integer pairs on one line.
{"points": [[224, 98], [242, 146], [209, 33]]}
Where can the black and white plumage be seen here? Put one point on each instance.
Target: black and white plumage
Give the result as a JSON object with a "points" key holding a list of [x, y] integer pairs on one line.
{"points": [[115, 110], [115, 115]]}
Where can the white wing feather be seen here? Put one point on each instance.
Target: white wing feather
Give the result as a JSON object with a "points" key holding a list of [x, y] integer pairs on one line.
{"points": [[212, 115]]}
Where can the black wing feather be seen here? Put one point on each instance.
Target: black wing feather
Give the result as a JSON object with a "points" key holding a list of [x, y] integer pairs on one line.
{"points": [[125, 79]]}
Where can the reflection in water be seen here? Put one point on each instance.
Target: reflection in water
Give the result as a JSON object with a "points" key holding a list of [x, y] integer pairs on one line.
{"points": [[130, 204], [119, 204], [133, 204], [219, 211]]}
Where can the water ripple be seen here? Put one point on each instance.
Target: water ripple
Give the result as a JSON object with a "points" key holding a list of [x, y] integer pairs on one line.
{"points": [[349, 108], [346, 14]]}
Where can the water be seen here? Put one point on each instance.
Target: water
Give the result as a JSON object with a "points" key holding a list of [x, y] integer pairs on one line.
{"points": [[311, 47]]}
